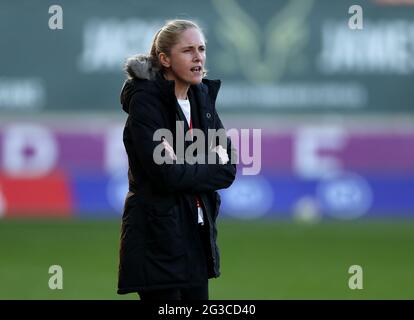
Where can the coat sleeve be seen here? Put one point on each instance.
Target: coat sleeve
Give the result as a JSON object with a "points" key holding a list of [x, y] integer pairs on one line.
{"points": [[145, 118], [231, 151]]}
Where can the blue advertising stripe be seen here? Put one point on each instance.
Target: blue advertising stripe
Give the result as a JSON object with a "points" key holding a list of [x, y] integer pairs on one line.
{"points": [[346, 196], [90, 196], [393, 193]]}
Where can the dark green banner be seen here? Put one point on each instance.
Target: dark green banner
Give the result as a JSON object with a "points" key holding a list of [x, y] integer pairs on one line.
{"points": [[273, 56]]}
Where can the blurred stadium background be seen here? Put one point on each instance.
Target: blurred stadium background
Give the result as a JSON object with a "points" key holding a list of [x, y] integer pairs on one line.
{"points": [[335, 182]]}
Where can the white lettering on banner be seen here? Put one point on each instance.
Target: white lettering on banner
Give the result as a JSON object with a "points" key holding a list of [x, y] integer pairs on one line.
{"points": [[22, 93], [56, 20], [383, 47], [28, 150], [106, 42], [115, 155], [345, 195], [328, 95], [308, 145], [249, 197]]}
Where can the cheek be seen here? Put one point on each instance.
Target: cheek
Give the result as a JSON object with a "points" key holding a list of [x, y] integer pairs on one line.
{"points": [[178, 63], [181, 69]]}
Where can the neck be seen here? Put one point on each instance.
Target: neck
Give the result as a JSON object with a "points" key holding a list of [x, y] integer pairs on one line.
{"points": [[181, 91], [181, 88]]}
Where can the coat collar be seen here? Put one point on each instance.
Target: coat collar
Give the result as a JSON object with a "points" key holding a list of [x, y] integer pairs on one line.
{"points": [[207, 89], [204, 94]]}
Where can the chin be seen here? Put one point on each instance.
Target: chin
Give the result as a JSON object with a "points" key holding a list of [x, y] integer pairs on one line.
{"points": [[196, 81]]}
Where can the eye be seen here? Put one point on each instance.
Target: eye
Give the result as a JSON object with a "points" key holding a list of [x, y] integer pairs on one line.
{"points": [[202, 49]]}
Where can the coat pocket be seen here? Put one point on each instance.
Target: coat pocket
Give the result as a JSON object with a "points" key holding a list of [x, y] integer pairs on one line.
{"points": [[166, 259], [163, 225]]}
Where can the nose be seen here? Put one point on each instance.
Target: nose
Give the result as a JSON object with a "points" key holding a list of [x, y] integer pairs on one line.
{"points": [[198, 56]]}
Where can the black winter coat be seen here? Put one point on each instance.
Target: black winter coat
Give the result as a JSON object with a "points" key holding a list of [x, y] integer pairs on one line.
{"points": [[160, 246]]}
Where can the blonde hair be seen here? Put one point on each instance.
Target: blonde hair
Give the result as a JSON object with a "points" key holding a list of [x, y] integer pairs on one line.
{"points": [[167, 37]]}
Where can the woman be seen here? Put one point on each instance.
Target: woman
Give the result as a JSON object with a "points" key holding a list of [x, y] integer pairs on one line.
{"points": [[168, 237]]}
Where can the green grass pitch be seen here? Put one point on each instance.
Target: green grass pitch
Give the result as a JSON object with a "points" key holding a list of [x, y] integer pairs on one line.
{"points": [[264, 259]]}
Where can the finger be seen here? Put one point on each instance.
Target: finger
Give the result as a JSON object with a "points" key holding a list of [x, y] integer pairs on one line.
{"points": [[166, 144], [170, 151]]}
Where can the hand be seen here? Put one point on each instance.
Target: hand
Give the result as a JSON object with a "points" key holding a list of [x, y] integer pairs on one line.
{"points": [[222, 153], [168, 149]]}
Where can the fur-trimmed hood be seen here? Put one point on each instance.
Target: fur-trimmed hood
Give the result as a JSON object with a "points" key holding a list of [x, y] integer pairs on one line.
{"points": [[140, 66], [139, 69], [143, 75]]}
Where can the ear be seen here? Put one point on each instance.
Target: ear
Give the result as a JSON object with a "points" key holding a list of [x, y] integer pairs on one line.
{"points": [[164, 60]]}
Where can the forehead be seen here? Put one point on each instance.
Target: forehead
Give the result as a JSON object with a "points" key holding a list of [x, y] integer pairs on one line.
{"points": [[191, 37]]}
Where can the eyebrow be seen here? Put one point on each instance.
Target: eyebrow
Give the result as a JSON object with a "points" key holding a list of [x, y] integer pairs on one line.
{"points": [[187, 47]]}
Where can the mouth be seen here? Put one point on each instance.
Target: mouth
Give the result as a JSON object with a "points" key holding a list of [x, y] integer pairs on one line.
{"points": [[197, 69]]}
